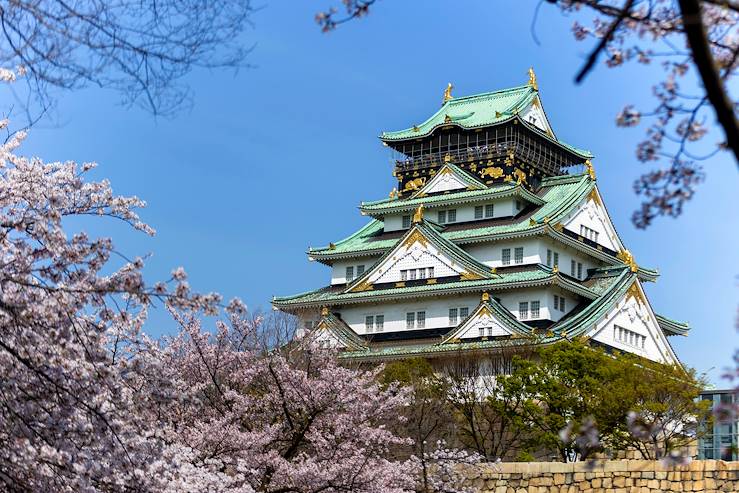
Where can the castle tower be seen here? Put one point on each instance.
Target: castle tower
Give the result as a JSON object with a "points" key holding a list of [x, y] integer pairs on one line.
{"points": [[496, 236]]}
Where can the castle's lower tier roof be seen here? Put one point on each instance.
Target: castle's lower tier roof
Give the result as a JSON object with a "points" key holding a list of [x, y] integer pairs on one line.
{"points": [[534, 275]]}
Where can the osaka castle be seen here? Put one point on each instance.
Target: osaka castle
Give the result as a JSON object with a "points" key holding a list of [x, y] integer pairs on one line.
{"points": [[496, 236]]}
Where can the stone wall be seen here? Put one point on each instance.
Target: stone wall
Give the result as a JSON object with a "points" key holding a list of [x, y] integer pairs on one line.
{"points": [[618, 476]]}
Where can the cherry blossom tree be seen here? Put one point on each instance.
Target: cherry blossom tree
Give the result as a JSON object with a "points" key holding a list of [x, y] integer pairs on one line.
{"points": [[291, 420], [71, 311], [693, 41]]}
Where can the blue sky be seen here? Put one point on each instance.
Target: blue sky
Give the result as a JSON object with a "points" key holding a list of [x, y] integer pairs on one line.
{"points": [[276, 158]]}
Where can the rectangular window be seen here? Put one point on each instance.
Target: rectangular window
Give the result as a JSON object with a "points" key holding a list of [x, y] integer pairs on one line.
{"points": [[478, 212], [406, 222], [561, 304], [452, 316], [360, 270], [451, 215], [573, 268], [629, 337], [549, 257], [534, 309], [579, 270], [523, 310], [463, 312], [420, 320], [556, 302], [403, 275], [519, 255], [442, 217], [369, 322], [556, 259], [506, 256], [489, 210], [588, 233], [379, 322], [519, 205], [422, 273], [410, 320], [412, 275], [431, 272], [349, 273]]}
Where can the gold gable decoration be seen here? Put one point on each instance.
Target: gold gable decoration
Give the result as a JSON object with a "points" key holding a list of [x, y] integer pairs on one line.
{"points": [[532, 79], [590, 169], [626, 257], [469, 276], [418, 215], [635, 292], [414, 237], [448, 93]]}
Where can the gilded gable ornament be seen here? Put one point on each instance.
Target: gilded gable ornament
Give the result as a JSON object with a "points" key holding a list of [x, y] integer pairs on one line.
{"points": [[532, 79], [448, 93], [393, 193], [418, 215], [590, 169], [485, 296], [626, 257]]}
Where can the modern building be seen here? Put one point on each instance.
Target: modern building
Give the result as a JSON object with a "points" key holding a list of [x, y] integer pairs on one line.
{"points": [[496, 236], [722, 438]]}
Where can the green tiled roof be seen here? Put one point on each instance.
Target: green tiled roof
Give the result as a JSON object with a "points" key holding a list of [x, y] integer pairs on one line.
{"points": [[570, 327], [386, 206], [332, 296], [536, 275], [559, 194], [673, 326], [469, 112], [480, 110]]}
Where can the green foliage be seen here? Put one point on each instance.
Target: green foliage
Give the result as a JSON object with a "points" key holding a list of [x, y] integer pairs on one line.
{"points": [[572, 383]]}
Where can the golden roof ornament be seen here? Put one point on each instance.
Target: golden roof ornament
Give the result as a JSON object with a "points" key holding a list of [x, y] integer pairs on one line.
{"points": [[590, 169], [532, 79], [626, 257], [485, 296], [393, 193], [418, 215], [555, 269], [324, 311], [448, 93]]}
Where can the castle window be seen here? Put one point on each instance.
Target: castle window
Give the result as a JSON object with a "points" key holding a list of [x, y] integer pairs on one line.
{"points": [[505, 256], [573, 268], [519, 255], [442, 217], [430, 271], [410, 320], [463, 312], [556, 259], [534, 309], [420, 320], [519, 205], [403, 275], [360, 270], [451, 216], [379, 322], [412, 275], [588, 233], [489, 210], [579, 270], [406, 222], [523, 310], [629, 337], [369, 323], [478, 211], [559, 303], [552, 258], [349, 273], [549, 257], [452, 316]]}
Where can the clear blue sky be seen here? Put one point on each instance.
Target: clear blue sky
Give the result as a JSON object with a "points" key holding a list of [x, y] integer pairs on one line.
{"points": [[276, 158]]}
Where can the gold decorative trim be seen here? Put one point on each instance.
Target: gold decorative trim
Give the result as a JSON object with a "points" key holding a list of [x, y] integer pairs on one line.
{"points": [[324, 311], [363, 286], [469, 276], [447, 119], [635, 292], [559, 227], [414, 184], [400, 284], [593, 195], [491, 171], [414, 237], [555, 269], [485, 296], [431, 281], [520, 176]]}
